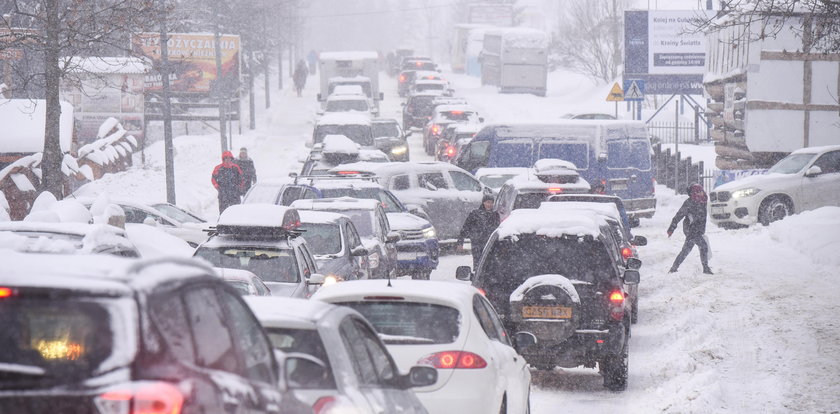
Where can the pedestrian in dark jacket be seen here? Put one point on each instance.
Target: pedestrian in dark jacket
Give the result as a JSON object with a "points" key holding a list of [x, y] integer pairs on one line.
{"points": [[299, 76], [247, 166], [478, 227], [229, 181], [693, 215]]}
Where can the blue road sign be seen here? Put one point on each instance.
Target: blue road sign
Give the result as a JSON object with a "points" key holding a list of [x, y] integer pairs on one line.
{"points": [[634, 90]]}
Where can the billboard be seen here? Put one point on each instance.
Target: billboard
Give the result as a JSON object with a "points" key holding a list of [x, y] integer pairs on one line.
{"points": [[192, 59], [661, 49]]}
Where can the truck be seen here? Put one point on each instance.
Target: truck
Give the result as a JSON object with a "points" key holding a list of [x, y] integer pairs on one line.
{"points": [[769, 95], [350, 67], [516, 60]]}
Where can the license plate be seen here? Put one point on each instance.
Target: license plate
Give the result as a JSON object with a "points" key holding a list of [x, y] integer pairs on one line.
{"points": [[547, 312], [406, 255], [618, 186], [717, 210]]}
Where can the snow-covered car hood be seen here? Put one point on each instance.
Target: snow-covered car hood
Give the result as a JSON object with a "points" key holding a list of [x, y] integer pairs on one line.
{"points": [[758, 181], [407, 221]]}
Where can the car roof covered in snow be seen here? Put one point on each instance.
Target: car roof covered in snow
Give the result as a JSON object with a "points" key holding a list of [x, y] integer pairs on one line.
{"points": [[336, 204], [257, 215], [461, 128], [348, 55], [339, 144], [329, 182], [437, 292], [312, 216], [344, 118], [357, 78], [499, 171], [430, 82], [346, 97], [550, 224], [392, 168], [454, 108], [277, 312], [88, 238], [608, 210]]}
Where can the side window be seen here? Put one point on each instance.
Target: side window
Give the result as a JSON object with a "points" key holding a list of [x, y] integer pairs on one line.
{"points": [[484, 319], [133, 215], [378, 354], [308, 194], [352, 235], [502, 199], [307, 257], [304, 264], [432, 181], [170, 318], [362, 364], [214, 347], [494, 319], [464, 182], [829, 162], [289, 195], [400, 182], [250, 339], [383, 222]]}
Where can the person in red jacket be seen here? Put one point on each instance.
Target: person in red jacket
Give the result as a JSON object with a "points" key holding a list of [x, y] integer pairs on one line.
{"points": [[229, 181]]}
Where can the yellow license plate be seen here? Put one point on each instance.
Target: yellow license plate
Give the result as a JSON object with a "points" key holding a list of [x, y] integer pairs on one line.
{"points": [[547, 312]]}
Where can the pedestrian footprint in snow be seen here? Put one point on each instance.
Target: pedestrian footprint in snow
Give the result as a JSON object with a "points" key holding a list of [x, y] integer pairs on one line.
{"points": [[229, 181], [693, 215]]}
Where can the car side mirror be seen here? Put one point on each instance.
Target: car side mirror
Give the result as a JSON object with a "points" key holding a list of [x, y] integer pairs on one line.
{"points": [[316, 279], [293, 175], [487, 190], [813, 171], [523, 340], [392, 237], [359, 251], [463, 273], [639, 241], [634, 263], [632, 277], [634, 222], [303, 371], [421, 376]]}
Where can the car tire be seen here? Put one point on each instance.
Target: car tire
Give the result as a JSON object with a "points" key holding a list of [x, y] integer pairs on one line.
{"points": [[773, 209], [615, 370], [421, 275]]}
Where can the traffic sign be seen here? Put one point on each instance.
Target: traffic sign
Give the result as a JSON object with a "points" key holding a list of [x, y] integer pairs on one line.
{"points": [[616, 94], [634, 90]]}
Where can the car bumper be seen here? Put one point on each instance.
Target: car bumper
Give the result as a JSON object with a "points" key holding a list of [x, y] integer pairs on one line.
{"points": [[467, 391], [640, 207], [735, 212], [417, 255]]}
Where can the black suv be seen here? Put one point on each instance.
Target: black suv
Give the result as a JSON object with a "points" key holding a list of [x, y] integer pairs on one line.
{"points": [[418, 109], [562, 282], [107, 335]]}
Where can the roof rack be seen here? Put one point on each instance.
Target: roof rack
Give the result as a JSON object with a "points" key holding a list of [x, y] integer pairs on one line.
{"points": [[354, 175], [255, 232]]}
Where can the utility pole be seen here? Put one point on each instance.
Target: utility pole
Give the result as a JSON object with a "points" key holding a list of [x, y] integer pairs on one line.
{"points": [[252, 107], [219, 86], [168, 144]]}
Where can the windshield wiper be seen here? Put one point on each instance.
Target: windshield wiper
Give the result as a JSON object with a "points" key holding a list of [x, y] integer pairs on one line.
{"points": [[30, 370]]}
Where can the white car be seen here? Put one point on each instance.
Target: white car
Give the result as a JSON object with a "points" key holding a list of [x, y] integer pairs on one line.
{"points": [[806, 179], [447, 325], [187, 230]]}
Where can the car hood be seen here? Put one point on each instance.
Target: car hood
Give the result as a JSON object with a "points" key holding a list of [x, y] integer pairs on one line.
{"points": [[407, 221], [755, 181]]}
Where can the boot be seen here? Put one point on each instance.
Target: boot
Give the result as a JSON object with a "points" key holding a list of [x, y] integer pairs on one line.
{"points": [[673, 269], [707, 270]]}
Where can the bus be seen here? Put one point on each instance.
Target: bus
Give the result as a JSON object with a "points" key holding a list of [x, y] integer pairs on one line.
{"points": [[516, 60]]}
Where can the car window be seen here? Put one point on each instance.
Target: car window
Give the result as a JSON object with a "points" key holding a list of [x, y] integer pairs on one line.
{"points": [[133, 215], [378, 354], [432, 181], [383, 223], [250, 339], [400, 322], [362, 364], [400, 182], [484, 319], [290, 194], [270, 265], [464, 182], [306, 267], [214, 347], [306, 341], [352, 236], [829, 162], [308, 194], [170, 318], [494, 319]]}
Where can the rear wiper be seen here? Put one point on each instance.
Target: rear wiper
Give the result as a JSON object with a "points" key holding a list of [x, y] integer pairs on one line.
{"points": [[30, 370]]}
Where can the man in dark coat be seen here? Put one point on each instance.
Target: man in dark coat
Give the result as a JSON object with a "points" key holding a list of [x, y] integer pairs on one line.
{"points": [[247, 166], [478, 227], [229, 181], [299, 76], [693, 215]]}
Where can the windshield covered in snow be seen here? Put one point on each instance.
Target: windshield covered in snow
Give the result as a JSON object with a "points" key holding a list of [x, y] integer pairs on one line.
{"points": [[270, 265], [792, 164], [305, 341], [411, 322], [322, 238], [420, 105], [347, 105], [496, 180], [360, 134], [57, 340], [628, 154]]}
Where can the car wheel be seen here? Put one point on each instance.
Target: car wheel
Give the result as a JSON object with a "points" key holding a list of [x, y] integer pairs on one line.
{"points": [[615, 369], [772, 210]]}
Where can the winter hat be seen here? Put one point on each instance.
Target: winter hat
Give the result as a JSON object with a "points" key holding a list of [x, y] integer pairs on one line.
{"points": [[488, 197], [227, 154], [697, 193]]}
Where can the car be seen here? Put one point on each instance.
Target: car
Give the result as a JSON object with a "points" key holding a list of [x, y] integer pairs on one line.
{"points": [[348, 103], [337, 150], [372, 225], [806, 179], [428, 75], [589, 116], [178, 214], [495, 178], [265, 191], [561, 278], [421, 85], [113, 335], [547, 178], [404, 80], [66, 238], [441, 190], [417, 110], [245, 282], [334, 361], [451, 327], [389, 137], [419, 63], [454, 137], [442, 116], [261, 238], [335, 245], [356, 126]]}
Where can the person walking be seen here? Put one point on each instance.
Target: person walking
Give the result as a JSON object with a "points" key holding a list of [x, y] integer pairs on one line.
{"points": [[478, 227], [693, 215], [299, 77], [229, 181], [247, 166]]}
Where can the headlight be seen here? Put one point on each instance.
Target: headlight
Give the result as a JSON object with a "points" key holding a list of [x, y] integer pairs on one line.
{"points": [[429, 233], [330, 280], [402, 149], [747, 192]]}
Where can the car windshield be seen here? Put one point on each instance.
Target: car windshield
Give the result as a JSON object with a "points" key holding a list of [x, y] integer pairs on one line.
{"points": [[496, 180], [628, 154], [322, 238], [360, 134], [346, 105], [270, 265], [177, 214], [304, 341], [792, 164], [386, 129], [411, 322], [48, 340], [386, 200], [362, 219]]}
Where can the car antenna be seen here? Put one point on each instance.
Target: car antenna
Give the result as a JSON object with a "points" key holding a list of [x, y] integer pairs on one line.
{"points": [[389, 279]]}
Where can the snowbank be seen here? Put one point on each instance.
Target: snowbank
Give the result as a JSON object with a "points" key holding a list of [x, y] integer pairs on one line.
{"points": [[815, 234]]}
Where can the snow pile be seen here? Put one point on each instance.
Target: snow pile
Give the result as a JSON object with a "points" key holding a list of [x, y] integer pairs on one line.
{"points": [[546, 223], [561, 282], [815, 234], [552, 165], [257, 215], [339, 144], [155, 243], [113, 144]]}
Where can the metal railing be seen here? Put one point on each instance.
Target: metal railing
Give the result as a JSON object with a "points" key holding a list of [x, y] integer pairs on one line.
{"points": [[678, 173], [687, 132]]}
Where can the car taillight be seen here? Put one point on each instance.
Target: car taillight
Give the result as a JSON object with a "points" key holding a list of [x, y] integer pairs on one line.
{"points": [[555, 190], [324, 405], [626, 252], [617, 305], [454, 360], [141, 398], [450, 151], [348, 173], [5, 292], [402, 78], [435, 129]]}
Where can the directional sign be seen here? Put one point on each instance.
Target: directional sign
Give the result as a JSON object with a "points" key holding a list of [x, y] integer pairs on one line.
{"points": [[616, 94], [634, 90]]}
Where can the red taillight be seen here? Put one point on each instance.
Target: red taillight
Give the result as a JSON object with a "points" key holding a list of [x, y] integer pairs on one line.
{"points": [[402, 78], [617, 302], [555, 190], [5, 292], [323, 405], [617, 298], [348, 173], [419, 63], [450, 151], [482, 291], [435, 129], [454, 360], [456, 112], [626, 252], [142, 398]]}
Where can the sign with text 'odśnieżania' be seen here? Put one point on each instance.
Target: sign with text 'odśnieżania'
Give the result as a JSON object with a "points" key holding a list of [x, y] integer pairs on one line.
{"points": [[663, 48]]}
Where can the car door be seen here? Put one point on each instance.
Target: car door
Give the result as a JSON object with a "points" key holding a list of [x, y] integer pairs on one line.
{"points": [[823, 189], [363, 367], [440, 204], [510, 365], [361, 263], [470, 193], [390, 247]]}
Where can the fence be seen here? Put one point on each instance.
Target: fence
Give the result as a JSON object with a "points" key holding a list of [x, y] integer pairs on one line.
{"points": [[678, 173], [665, 132]]}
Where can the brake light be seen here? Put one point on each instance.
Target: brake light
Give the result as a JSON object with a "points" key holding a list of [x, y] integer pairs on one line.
{"points": [[626, 252], [384, 298], [454, 360], [323, 405], [348, 173], [482, 291], [435, 129], [450, 151], [456, 112], [419, 63], [5, 292], [402, 78], [617, 302], [555, 190], [142, 398]]}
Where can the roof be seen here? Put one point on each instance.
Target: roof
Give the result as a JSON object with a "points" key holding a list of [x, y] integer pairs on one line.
{"points": [[431, 82], [329, 182], [336, 204], [529, 181], [312, 216], [384, 121], [454, 107], [344, 118], [467, 128], [549, 224], [346, 97], [348, 55], [429, 291], [257, 215], [90, 237], [484, 172], [277, 312], [357, 78], [23, 122], [608, 210], [339, 144]]}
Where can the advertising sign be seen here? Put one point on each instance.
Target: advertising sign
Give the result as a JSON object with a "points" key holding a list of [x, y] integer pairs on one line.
{"points": [[662, 49], [192, 59]]}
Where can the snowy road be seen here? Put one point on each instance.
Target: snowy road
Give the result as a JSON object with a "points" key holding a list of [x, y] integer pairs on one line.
{"points": [[761, 335]]}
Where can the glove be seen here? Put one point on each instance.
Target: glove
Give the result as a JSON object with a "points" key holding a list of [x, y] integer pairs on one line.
{"points": [[670, 232]]}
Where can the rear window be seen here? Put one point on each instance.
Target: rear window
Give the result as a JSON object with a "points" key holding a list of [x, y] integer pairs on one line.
{"points": [[346, 105], [305, 341], [421, 106], [575, 152], [411, 322], [530, 200], [628, 154], [270, 265], [47, 341], [362, 219], [360, 134]]}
